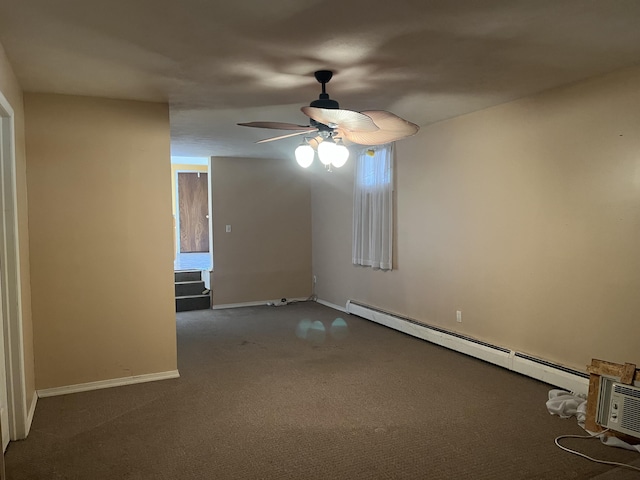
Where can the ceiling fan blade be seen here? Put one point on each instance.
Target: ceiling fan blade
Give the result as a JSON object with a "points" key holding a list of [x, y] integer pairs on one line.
{"points": [[392, 128], [278, 126], [287, 136], [391, 122], [345, 119]]}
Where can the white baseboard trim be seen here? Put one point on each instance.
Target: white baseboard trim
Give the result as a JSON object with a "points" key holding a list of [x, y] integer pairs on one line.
{"points": [[239, 305], [254, 304], [544, 371], [32, 411], [331, 305], [114, 382]]}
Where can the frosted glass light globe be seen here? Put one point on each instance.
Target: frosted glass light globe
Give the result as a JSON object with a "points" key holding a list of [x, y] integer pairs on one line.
{"points": [[341, 156], [304, 155], [327, 151]]}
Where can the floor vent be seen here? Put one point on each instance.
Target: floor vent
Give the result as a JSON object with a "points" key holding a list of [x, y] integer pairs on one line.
{"points": [[553, 374]]}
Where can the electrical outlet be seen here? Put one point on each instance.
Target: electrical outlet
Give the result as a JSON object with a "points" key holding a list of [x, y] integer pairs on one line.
{"points": [[459, 316], [315, 279]]}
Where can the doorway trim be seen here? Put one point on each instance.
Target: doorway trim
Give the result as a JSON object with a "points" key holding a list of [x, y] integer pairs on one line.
{"points": [[11, 291], [210, 207]]}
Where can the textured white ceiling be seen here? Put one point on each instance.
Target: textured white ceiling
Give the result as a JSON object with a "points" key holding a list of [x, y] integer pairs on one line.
{"points": [[218, 63]]}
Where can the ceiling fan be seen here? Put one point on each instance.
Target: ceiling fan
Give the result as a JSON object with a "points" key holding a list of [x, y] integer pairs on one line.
{"points": [[334, 127]]}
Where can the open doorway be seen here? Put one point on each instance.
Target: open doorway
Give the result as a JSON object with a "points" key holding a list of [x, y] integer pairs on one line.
{"points": [[15, 418], [192, 213]]}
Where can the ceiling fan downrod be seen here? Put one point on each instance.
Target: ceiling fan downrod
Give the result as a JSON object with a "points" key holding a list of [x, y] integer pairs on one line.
{"points": [[323, 77]]}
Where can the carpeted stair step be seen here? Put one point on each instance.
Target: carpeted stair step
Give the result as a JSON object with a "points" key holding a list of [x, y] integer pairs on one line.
{"points": [[193, 302], [189, 288]]}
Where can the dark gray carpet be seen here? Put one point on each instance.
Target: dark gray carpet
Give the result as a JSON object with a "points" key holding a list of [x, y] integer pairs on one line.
{"points": [[293, 393]]}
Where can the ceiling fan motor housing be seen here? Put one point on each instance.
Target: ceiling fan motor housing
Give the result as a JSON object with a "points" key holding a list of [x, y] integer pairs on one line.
{"points": [[324, 102], [320, 126]]}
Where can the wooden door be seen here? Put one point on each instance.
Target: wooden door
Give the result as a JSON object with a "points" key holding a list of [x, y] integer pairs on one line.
{"points": [[193, 204]]}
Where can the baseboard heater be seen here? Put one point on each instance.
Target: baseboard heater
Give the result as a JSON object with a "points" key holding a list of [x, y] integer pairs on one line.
{"points": [[553, 374]]}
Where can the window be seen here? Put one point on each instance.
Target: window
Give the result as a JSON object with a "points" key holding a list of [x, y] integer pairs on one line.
{"points": [[373, 208]]}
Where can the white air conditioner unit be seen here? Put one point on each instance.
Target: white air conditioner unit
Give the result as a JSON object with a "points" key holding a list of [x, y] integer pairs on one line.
{"points": [[619, 407]]}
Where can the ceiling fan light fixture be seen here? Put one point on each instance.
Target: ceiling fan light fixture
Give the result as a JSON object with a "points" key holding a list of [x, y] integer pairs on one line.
{"points": [[327, 151], [304, 155], [341, 155]]}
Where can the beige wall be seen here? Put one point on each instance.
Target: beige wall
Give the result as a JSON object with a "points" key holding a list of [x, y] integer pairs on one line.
{"points": [[267, 255], [525, 216], [101, 238], [11, 90]]}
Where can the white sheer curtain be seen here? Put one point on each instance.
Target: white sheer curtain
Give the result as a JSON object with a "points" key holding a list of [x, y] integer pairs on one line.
{"points": [[373, 208]]}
